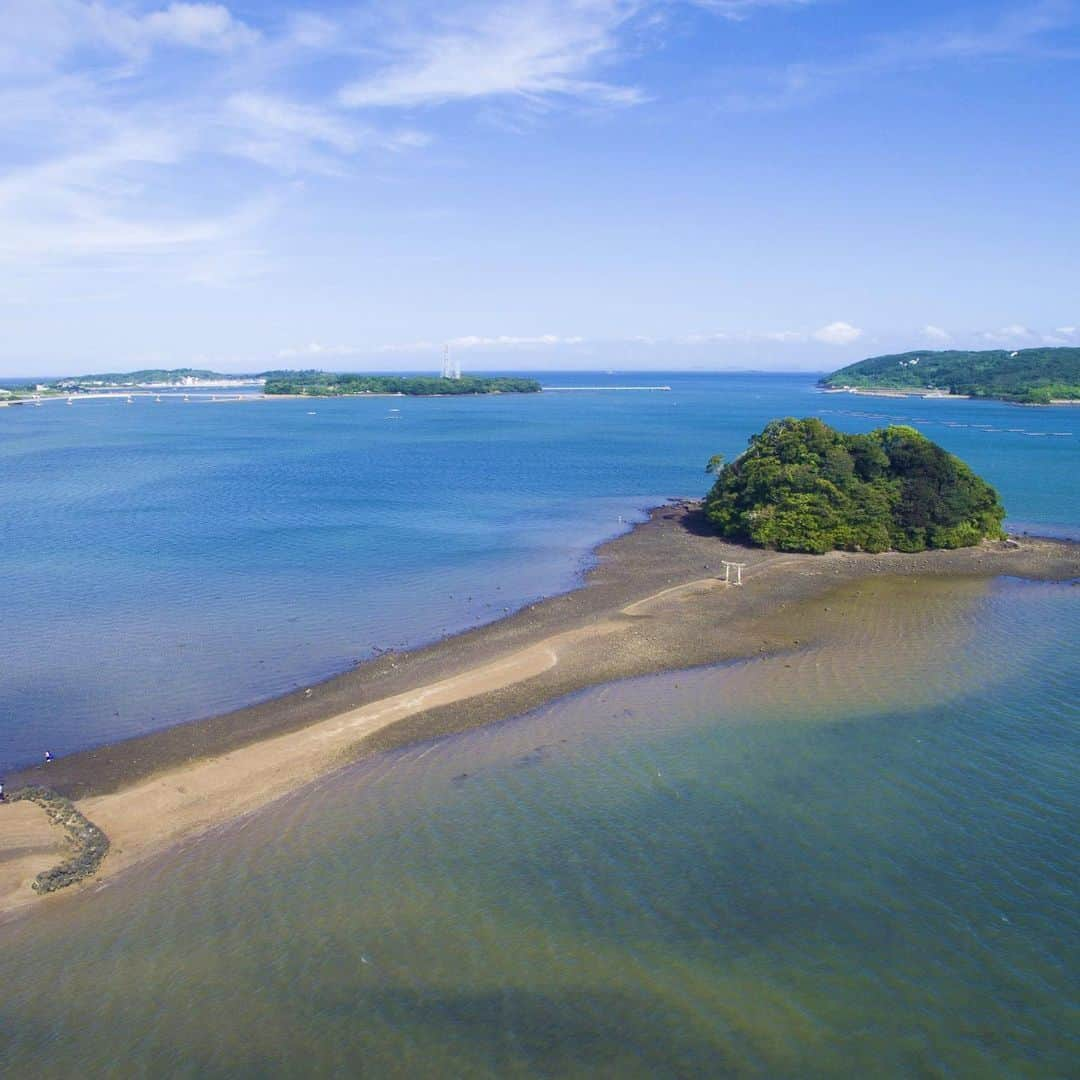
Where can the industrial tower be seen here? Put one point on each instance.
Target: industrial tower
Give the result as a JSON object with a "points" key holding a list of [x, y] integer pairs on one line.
{"points": [[451, 369]]}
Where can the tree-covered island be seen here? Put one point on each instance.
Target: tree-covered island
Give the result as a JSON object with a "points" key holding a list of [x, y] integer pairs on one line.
{"points": [[1028, 376], [325, 384], [803, 486]]}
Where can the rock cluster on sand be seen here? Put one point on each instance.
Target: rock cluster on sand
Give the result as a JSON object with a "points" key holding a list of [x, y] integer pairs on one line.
{"points": [[90, 845]]}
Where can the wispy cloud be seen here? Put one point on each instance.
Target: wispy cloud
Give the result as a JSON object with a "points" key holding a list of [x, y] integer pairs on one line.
{"points": [[41, 35], [503, 341], [936, 334], [531, 48], [290, 136], [835, 333], [316, 350], [1063, 335], [1008, 335], [743, 9], [111, 118], [113, 114]]}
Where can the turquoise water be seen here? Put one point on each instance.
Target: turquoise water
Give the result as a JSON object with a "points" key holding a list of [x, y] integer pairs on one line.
{"points": [[168, 561], [790, 867]]}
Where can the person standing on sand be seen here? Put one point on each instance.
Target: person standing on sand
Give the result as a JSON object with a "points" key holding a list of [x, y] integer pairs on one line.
{"points": [[48, 756], [1, 790]]}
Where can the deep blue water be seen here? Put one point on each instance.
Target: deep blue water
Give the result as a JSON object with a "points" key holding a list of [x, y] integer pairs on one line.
{"points": [[165, 561]]}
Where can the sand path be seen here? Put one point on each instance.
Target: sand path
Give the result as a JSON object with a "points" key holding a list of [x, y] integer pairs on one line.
{"points": [[184, 802], [181, 803]]}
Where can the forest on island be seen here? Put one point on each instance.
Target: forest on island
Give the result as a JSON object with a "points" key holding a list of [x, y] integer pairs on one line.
{"points": [[324, 384], [803, 486]]}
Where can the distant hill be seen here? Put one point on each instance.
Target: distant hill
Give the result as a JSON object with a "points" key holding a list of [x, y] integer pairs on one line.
{"points": [[1031, 376], [324, 384]]}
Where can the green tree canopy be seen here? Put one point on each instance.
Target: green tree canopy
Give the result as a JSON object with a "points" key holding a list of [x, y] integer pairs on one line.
{"points": [[324, 384], [803, 486]]}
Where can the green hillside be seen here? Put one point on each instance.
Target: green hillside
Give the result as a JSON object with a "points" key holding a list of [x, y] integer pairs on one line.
{"points": [[1031, 376]]}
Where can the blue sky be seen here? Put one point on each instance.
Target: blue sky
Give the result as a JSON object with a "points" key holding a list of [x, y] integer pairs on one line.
{"points": [[774, 184]]}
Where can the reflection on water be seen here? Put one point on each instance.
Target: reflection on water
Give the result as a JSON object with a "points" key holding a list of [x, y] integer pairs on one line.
{"points": [[855, 859]]}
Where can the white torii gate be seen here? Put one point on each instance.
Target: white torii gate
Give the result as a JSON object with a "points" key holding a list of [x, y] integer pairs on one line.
{"points": [[738, 567]]}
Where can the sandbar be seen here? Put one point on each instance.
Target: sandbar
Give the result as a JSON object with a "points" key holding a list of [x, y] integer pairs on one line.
{"points": [[653, 602]]}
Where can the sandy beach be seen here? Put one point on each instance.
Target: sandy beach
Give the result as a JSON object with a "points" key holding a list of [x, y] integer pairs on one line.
{"points": [[653, 602]]}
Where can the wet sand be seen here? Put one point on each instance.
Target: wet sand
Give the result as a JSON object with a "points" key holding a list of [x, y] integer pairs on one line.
{"points": [[29, 843], [652, 603]]}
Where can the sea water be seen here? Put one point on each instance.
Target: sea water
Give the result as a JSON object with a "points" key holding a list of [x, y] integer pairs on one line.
{"points": [[164, 561], [856, 859], [851, 859]]}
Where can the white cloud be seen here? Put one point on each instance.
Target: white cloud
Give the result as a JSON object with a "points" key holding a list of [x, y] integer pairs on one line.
{"points": [[313, 31], [1008, 334], [533, 48], [314, 350], [742, 9], [106, 140], [936, 334], [721, 337], [702, 339], [198, 26], [512, 342], [41, 34], [1062, 335], [294, 137], [504, 341], [838, 333], [278, 116], [289, 136], [112, 108]]}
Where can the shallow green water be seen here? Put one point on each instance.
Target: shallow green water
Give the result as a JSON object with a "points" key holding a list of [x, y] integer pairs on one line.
{"points": [[836, 862]]}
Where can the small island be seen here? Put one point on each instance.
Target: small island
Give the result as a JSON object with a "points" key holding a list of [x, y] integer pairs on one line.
{"points": [[1027, 376], [803, 486], [325, 384]]}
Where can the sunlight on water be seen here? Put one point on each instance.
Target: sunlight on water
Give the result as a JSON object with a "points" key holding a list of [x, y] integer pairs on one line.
{"points": [[853, 859]]}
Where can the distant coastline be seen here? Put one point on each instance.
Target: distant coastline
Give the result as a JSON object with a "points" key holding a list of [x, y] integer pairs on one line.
{"points": [[282, 383], [1045, 376], [924, 394], [653, 603]]}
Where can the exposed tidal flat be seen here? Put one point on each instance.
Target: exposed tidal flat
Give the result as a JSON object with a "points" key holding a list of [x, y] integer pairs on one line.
{"points": [[852, 856]]}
